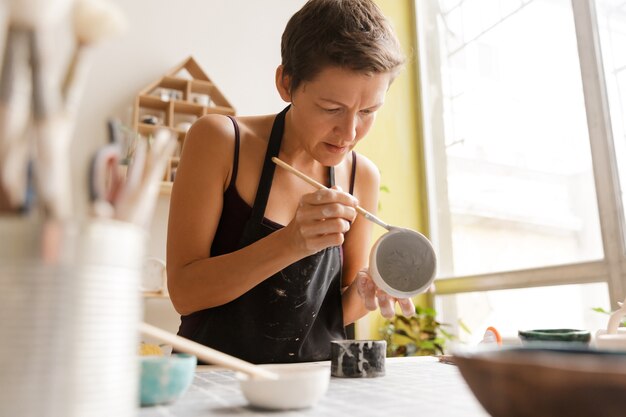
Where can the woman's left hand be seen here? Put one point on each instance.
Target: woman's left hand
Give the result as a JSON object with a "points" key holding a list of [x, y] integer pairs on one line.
{"points": [[373, 297]]}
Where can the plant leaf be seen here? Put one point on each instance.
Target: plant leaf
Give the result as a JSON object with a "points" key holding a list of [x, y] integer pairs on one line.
{"points": [[401, 332], [446, 334], [600, 310], [463, 326]]}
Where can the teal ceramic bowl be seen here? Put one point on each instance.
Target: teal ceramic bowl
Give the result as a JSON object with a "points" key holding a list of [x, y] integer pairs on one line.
{"points": [[555, 336], [165, 378]]}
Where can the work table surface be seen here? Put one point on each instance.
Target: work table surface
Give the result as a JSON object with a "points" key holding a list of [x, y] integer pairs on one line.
{"points": [[412, 386]]}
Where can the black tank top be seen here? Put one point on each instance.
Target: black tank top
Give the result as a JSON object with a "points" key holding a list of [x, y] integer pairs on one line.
{"points": [[291, 316]]}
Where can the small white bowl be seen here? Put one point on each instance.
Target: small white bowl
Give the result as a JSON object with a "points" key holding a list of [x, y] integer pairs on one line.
{"points": [[606, 341], [298, 386]]}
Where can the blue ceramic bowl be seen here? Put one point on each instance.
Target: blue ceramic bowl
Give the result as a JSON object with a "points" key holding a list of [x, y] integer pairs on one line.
{"points": [[165, 378]]}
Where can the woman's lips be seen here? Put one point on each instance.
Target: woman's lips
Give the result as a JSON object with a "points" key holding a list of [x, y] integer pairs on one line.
{"points": [[335, 148]]}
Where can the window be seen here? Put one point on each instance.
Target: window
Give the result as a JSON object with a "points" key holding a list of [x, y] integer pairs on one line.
{"points": [[612, 29], [524, 194]]}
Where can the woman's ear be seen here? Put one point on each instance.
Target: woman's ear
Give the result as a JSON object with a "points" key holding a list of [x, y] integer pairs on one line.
{"points": [[283, 84]]}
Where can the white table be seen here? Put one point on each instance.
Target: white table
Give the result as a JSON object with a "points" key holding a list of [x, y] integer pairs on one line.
{"points": [[419, 386]]}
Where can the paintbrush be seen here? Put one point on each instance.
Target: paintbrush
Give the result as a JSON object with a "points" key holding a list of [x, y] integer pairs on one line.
{"points": [[369, 216], [24, 18], [94, 21], [14, 114], [139, 195], [27, 20], [55, 107], [52, 135]]}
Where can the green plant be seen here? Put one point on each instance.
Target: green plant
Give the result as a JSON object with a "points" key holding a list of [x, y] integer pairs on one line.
{"points": [[383, 189], [603, 311], [420, 335]]}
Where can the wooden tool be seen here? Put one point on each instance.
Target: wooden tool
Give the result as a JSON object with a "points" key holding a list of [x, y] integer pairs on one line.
{"points": [[206, 353], [369, 216]]}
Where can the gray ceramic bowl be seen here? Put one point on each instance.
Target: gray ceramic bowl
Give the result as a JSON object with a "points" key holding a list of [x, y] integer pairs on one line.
{"points": [[165, 378]]}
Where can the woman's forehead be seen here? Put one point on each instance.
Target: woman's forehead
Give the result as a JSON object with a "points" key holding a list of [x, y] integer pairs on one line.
{"points": [[335, 83]]}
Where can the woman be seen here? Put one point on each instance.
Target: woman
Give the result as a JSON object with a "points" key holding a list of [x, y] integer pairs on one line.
{"points": [[262, 265]]}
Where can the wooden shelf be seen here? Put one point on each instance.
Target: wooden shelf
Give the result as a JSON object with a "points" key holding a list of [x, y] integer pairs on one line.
{"points": [[166, 187], [192, 98], [155, 294]]}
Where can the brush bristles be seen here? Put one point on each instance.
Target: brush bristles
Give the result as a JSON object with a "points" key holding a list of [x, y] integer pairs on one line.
{"points": [[33, 14], [96, 20]]}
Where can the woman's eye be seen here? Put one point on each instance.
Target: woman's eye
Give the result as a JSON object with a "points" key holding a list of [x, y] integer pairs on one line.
{"points": [[367, 111], [335, 110]]}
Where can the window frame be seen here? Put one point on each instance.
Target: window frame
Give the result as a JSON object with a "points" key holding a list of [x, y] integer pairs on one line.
{"points": [[612, 268]]}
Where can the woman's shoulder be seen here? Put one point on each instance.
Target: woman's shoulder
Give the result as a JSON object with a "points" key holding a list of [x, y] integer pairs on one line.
{"points": [[205, 152], [367, 173], [217, 132], [210, 130], [222, 128]]}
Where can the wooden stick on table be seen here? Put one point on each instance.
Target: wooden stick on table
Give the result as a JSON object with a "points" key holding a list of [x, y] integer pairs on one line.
{"points": [[206, 353]]}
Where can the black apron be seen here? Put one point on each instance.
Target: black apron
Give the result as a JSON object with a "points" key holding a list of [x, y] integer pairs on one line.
{"points": [[293, 315]]}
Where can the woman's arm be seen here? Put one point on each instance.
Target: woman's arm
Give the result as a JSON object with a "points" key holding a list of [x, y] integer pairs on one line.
{"points": [[360, 293], [196, 281], [358, 241]]}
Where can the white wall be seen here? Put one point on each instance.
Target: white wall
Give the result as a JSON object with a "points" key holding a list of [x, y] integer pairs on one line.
{"points": [[236, 42]]}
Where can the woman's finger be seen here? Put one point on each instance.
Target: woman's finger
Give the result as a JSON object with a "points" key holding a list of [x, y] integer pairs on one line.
{"points": [[327, 196], [367, 291], [407, 306], [385, 303]]}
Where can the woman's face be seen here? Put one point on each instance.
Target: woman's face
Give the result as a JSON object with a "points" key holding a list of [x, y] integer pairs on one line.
{"points": [[334, 111]]}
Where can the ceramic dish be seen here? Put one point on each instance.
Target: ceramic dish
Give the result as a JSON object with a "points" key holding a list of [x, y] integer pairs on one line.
{"points": [[165, 378], [555, 335], [357, 358], [298, 386], [615, 341], [403, 263], [546, 382]]}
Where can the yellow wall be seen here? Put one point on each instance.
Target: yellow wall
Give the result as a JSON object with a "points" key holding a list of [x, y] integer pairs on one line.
{"points": [[394, 144]]}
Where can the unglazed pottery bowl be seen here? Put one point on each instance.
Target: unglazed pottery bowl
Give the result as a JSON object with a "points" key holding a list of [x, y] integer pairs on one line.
{"points": [[403, 263], [298, 386], [165, 378]]}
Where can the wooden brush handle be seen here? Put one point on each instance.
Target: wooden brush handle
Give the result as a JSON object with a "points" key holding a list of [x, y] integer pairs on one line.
{"points": [[206, 353], [369, 216]]}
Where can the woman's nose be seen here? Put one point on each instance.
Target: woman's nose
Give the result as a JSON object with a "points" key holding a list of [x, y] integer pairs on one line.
{"points": [[347, 127]]}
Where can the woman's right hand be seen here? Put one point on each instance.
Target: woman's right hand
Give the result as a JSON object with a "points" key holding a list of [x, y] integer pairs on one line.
{"points": [[322, 219], [374, 297]]}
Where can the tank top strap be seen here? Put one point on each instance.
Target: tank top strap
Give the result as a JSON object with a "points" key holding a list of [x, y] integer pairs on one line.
{"points": [[233, 177], [331, 174], [265, 182], [353, 173]]}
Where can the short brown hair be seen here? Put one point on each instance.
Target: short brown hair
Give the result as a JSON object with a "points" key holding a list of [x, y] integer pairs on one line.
{"points": [[351, 34]]}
